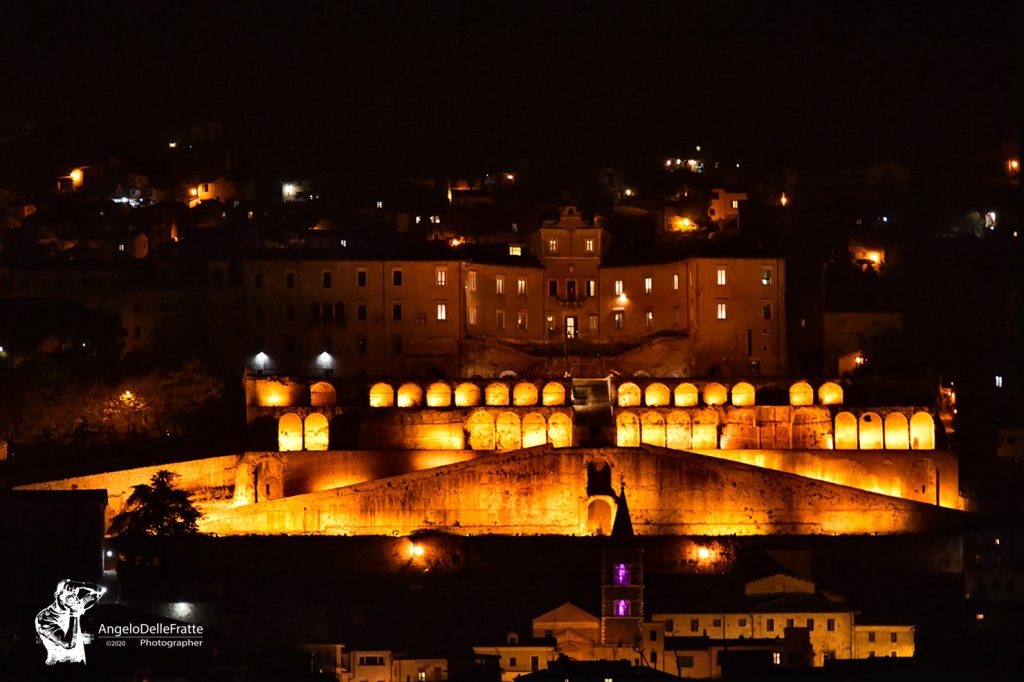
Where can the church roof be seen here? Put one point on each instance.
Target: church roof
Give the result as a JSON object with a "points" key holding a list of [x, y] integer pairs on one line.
{"points": [[566, 613]]}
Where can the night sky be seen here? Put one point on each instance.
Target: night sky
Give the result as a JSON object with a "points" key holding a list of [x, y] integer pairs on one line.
{"points": [[347, 82]]}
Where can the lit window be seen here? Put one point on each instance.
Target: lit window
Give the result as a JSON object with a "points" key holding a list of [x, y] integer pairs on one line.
{"points": [[999, 381], [472, 315], [471, 280], [521, 320], [591, 288], [621, 607], [552, 246], [514, 250], [550, 322], [648, 284], [720, 276], [521, 287], [619, 317], [441, 276], [776, 658], [721, 311], [618, 287], [766, 276], [380, 204], [589, 246], [418, 219], [499, 319], [442, 312], [675, 281], [649, 319], [592, 323], [120, 247], [621, 574], [499, 284]]}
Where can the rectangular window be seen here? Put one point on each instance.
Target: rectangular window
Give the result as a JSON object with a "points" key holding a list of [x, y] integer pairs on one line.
{"points": [[534, 663], [892, 637], [618, 287], [499, 284], [831, 624], [588, 246], [550, 320], [619, 318], [396, 278], [515, 250], [396, 312], [592, 323], [769, 625], [471, 280], [721, 311], [361, 345], [766, 276], [694, 625], [289, 280], [654, 635], [499, 320], [810, 623], [766, 311], [789, 622], [327, 277], [743, 622], [720, 276], [735, 203], [871, 637], [442, 312], [521, 287], [553, 288], [716, 623], [360, 278], [591, 288], [675, 281], [552, 246], [441, 277], [648, 284], [686, 661], [511, 661], [521, 320], [648, 319], [257, 280], [777, 658], [471, 317], [361, 312]]}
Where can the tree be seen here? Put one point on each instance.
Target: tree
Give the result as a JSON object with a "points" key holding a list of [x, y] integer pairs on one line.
{"points": [[157, 510]]}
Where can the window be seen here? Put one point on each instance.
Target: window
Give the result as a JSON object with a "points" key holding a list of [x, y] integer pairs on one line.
{"points": [[769, 625], [361, 345], [327, 277], [648, 284], [619, 318], [789, 622], [361, 312], [396, 278], [675, 281], [766, 311], [618, 287], [592, 323], [831, 624], [441, 277], [588, 245], [553, 287], [471, 316], [499, 320], [743, 622], [499, 284], [471, 280], [716, 623], [694, 625], [552, 246], [328, 313], [421, 676], [766, 276], [511, 661], [871, 637], [591, 288], [521, 320], [648, 318], [396, 312], [676, 317], [380, 204], [289, 312], [534, 663], [442, 312], [685, 661], [776, 656], [120, 247], [720, 276], [892, 637], [371, 660], [396, 344], [289, 280], [735, 203], [654, 635], [721, 311], [360, 278], [257, 280], [514, 250], [521, 287], [654, 654], [810, 623], [550, 320]]}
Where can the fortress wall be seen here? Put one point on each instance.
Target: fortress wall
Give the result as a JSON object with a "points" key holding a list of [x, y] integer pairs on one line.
{"points": [[543, 491], [421, 429], [315, 471], [498, 427], [909, 474]]}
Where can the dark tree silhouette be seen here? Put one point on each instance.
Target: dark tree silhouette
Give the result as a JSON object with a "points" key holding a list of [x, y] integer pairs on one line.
{"points": [[157, 510]]}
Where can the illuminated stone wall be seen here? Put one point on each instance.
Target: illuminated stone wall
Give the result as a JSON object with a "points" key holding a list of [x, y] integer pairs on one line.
{"points": [[545, 492], [504, 427]]}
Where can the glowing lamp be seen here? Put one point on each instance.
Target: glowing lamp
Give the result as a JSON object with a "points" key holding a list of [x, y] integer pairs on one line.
{"points": [[194, 191], [325, 359], [784, 199], [76, 177], [172, 145], [622, 298], [703, 553], [417, 551], [2, 348]]}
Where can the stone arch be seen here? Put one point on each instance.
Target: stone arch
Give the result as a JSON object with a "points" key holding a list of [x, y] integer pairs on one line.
{"points": [[535, 430], [382, 395], [289, 433], [560, 430], [496, 393], [508, 432], [846, 431], [686, 395], [742, 394], [467, 395], [410, 395], [322, 394], [627, 430], [524, 394], [629, 395], [652, 429], [600, 515], [801, 393], [657, 395], [599, 478], [553, 394], [830, 393], [317, 432], [480, 430], [439, 394], [677, 430], [715, 394], [869, 431], [922, 431], [897, 432]]}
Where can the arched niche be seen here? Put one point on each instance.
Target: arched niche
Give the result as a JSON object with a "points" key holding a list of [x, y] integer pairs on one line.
{"points": [[560, 430], [627, 430], [439, 394], [830, 393], [322, 394], [382, 395], [686, 395], [652, 429], [869, 431], [715, 394], [801, 393], [677, 430], [410, 395], [317, 432], [553, 394], [480, 430], [535, 430], [496, 393], [629, 395], [600, 515], [289, 433], [897, 432], [922, 431], [508, 432], [846, 431], [742, 394], [657, 395], [467, 395], [524, 394]]}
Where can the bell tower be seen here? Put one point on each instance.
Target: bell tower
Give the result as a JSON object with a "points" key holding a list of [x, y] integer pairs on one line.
{"points": [[622, 583]]}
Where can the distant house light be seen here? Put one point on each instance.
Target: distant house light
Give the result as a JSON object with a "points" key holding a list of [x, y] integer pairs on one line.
{"points": [[172, 145], [514, 250], [999, 381]]}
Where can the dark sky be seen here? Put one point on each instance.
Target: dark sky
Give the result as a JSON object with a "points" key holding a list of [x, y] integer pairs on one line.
{"points": [[372, 79]]}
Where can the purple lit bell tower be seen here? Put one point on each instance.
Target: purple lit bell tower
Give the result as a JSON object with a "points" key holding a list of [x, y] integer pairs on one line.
{"points": [[622, 583]]}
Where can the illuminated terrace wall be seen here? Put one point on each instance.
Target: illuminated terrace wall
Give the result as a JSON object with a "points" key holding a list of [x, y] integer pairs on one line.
{"points": [[505, 427]]}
